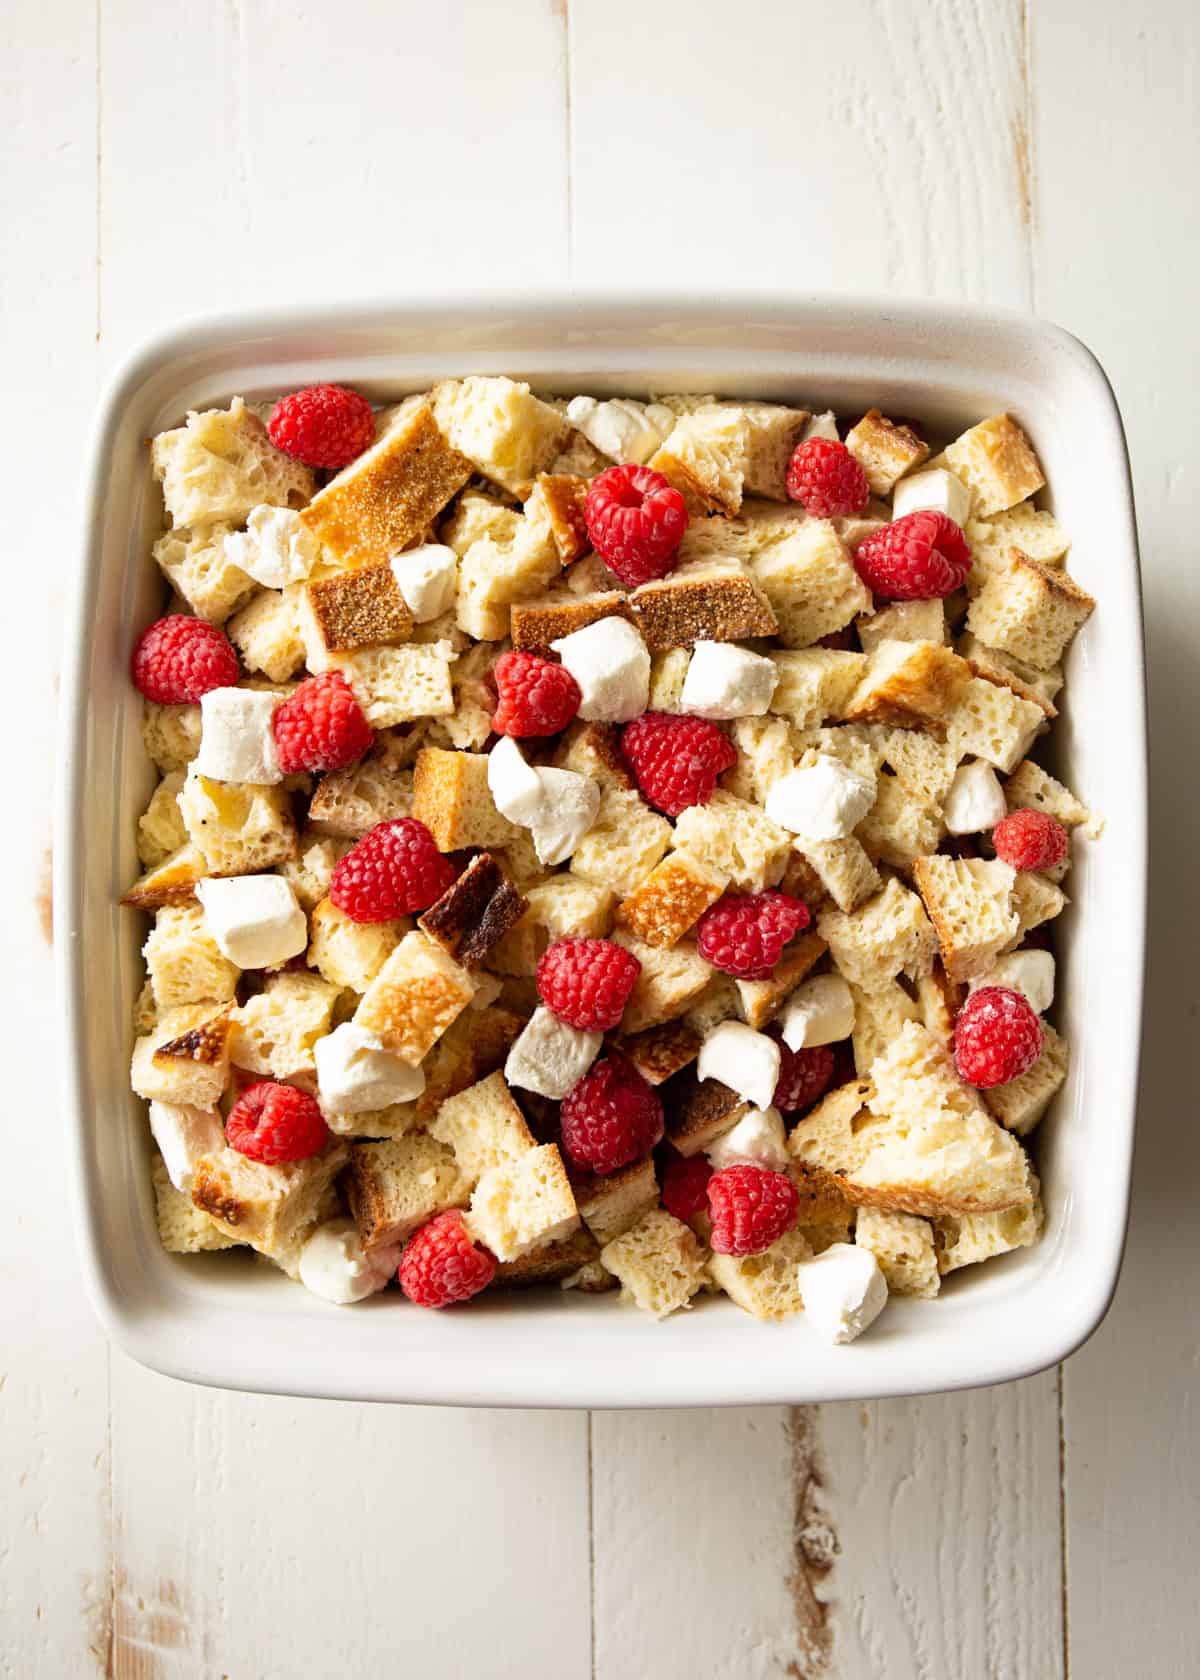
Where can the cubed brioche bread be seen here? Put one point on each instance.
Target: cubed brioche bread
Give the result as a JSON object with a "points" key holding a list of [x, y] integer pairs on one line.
{"points": [[557, 907], [671, 899], [505, 432], [759, 1001], [475, 912], [807, 574], [611, 1205], [275, 1031], [414, 997], [240, 828], [267, 633], [774, 432], [1022, 526], [555, 1262], [523, 1203], [197, 566], [349, 953], [815, 684], [837, 870], [183, 1057], [398, 684], [969, 902], [1022, 1102], [878, 1017], [702, 603], [483, 1126], [624, 843], [1035, 900], [452, 798], [221, 464], [395, 1185], [184, 961], [735, 838], [705, 458], [182, 1227], [900, 827], [1029, 610], [1030, 787], [914, 685], [996, 461], [171, 735], [764, 749], [969, 1238], [658, 1262], [477, 514], [310, 872], [885, 450], [160, 830], [904, 1248], [661, 1051], [991, 721], [346, 803], [594, 750], [764, 1285], [670, 981], [887, 935], [273, 1208], [903, 621]]}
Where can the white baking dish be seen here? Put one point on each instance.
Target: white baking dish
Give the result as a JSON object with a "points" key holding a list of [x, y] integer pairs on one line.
{"points": [[224, 1319]]}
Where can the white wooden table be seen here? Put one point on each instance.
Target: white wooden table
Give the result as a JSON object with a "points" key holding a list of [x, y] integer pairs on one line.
{"points": [[174, 157]]}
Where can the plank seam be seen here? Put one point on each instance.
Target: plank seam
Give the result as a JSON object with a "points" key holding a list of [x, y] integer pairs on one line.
{"points": [[591, 1515], [98, 231], [1062, 1519]]}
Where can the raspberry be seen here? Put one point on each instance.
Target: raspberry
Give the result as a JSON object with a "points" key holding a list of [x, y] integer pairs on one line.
{"points": [[274, 1123], [744, 934], [1030, 840], [441, 1265], [179, 659], [676, 760], [611, 1117], [323, 425], [915, 558], [825, 477], [537, 697], [395, 870], [685, 1185], [635, 521], [321, 726], [587, 982], [997, 1037], [804, 1075], [751, 1208]]}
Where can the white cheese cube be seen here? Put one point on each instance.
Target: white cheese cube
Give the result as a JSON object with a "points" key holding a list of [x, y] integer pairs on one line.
{"points": [[622, 429], [745, 1060], [1029, 972], [934, 488], [183, 1134], [826, 801], [255, 919], [726, 681], [335, 1266], [843, 1291], [549, 1057], [427, 577], [610, 662], [514, 785], [568, 810], [821, 1011], [974, 800], [275, 549], [357, 1075], [758, 1140], [237, 743]]}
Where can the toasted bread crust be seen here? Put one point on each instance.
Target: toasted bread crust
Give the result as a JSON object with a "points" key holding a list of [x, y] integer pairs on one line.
{"points": [[717, 607], [475, 912], [172, 882], [547, 1265], [698, 1111], [662, 1051], [362, 608], [761, 998], [535, 624], [915, 694], [207, 1042], [565, 495]]}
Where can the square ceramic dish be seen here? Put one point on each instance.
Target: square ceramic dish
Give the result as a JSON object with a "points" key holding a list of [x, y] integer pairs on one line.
{"points": [[225, 1320]]}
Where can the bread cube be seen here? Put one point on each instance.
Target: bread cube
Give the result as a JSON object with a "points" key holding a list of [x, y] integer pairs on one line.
{"points": [[558, 499], [452, 798], [808, 576], [996, 460], [974, 1237], [698, 1111], [969, 902], [492, 575], [903, 621], [671, 899], [274, 1209], [658, 1262], [559, 907], [505, 432], [1029, 610], [815, 684], [574, 1257], [395, 1185], [221, 464], [611, 1205], [859, 746], [362, 608], [415, 996], [478, 514], [184, 961], [484, 1127], [705, 457], [349, 953], [1035, 900], [475, 1045], [171, 735], [172, 882], [1036, 789], [760, 1000], [909, 684], [624, 843], [468, 727], [669, 982], [594, 750], [939, 999], [903, 1247], [535, 624], [899, 827], [160, 827], [275, 1031], [662, 1051], [668, 673], [764, 1285], [818, 870], [992, 722], [475, 912], [702, 603], [184, 1057], [888, 935], [1033, 531], [1021, 1103], [267, 633], [884, 450], [774, 434], [878, 1017], [735, 838], [391, 494], [923, 764], [396, 684], [1026, 680], [719, 1001], [199, 569], [239, 828], [765, 756], [182, 1228], [347, 803], [523, 1203]]}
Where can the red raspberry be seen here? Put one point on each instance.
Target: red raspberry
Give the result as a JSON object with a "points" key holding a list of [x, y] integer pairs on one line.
{"points": [[273, 1123], [537, 697], [676, 760], [804, 1075], [394, 870], [323, 425], [611, 1117], [636, 521], [1030, 840], [685, 1185], [744, 934], [179, 659], [587, 982], [441, 1265], [917, 557], [997, 1037], [321, 726], [751, 1208], [827, 479]]}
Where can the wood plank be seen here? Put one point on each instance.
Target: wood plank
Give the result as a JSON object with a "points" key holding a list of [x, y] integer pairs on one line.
{"points": [[54, 1562], [1117, 261]]}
